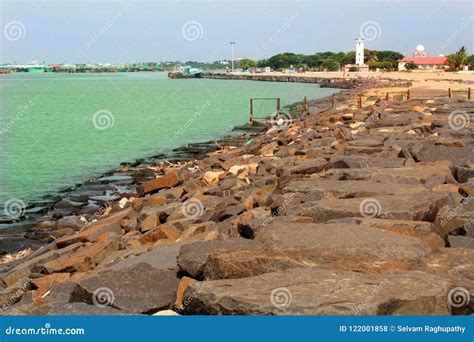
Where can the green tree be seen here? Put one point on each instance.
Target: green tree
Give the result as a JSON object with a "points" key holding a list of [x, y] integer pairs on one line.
{"points": [[457, 59], [247, 63], [262, 63], [330, 65], [349, 58], [470, 60], [284, 60], [411, 66]]}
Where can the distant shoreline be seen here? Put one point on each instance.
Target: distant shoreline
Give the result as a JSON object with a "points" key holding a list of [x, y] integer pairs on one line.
{"points": [[182, 153]]}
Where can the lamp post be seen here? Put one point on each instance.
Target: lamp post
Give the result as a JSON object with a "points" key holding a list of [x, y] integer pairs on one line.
{"points": [[232, 47]]}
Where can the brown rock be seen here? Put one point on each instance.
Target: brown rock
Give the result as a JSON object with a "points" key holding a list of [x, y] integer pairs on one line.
{"points": [[418, 109], [421, 206], [192, 257], [163, 232], [351, 246], [314, 291], [45, 283], [213, 177], [84, 259], [167, 181], [183, 285], [110, 223]]}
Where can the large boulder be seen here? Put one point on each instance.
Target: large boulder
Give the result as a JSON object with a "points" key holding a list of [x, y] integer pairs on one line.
{"points": [[456, 265], [357, 162], [347, 245], [420, 229], [315, 291], [142, 284], [429, 174], [167, 181], [193, 256], [318, 188], [454, 217], [421, 206], [429, 152], [90, 233], [84, 259]]}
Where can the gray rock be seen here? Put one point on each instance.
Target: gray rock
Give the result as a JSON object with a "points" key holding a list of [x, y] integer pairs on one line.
{"points": [[83, 309], [140, 288], [314, 291], [193, 257], [357, 162], [452, 217], [459, 241], [422, 206], [318, 188], [348, 245]]}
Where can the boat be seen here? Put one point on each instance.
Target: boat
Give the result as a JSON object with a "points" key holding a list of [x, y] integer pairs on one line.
{"points": [[185, 72]]}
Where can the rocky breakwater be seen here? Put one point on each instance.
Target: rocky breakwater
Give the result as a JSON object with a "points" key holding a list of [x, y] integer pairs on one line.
{"points": [[345, 211], [324, 82]]}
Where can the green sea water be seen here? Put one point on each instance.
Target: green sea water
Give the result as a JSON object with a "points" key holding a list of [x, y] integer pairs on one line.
{"points": [[57, 130]]}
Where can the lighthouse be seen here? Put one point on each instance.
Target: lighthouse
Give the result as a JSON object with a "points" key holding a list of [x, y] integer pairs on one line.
{"points": [[359, 65], [359, 51]]}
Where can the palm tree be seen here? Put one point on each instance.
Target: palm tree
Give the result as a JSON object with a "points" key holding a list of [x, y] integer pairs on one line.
{"points": [[457, 59]]}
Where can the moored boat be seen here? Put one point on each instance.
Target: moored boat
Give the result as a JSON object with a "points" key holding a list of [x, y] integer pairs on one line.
{"points": [[185, 72]]}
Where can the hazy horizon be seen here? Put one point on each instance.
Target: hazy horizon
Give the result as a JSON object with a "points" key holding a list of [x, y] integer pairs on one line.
{"points": [[140, 31]]}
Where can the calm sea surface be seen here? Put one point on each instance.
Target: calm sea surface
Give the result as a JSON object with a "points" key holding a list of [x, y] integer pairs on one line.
{"points": [[60, 129]]}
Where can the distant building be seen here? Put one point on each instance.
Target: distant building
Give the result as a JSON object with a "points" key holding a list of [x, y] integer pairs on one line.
{"points": [[359, 51], [359, 58], [423, 61]]}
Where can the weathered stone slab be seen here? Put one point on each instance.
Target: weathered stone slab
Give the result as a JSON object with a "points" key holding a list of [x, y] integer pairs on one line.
{"points": [[429, 152], [110, 223], [167, 181], [138, 289], [315, 165], [456, 265], [459, 241], [420, 229], [429, 174], [313, 291], [348, 245], [452, 217], [31, 265], [161, 257], [249, 229], [193, 256], [349, 189], [422, 206], [357, 162], [83, 309], [84, 259]]}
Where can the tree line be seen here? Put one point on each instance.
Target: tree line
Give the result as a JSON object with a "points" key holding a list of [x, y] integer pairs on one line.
{"points": [[333, 61]]}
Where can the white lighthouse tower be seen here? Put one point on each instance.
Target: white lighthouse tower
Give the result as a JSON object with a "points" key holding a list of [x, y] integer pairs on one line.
{"points": [[359, 51]]}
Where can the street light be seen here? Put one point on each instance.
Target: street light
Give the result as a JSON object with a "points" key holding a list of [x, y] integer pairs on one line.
{"points": [[232, 46]]}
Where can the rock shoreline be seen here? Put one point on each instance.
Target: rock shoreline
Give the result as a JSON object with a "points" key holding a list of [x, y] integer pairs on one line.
{"points": [[342, 211], [324, 82]]}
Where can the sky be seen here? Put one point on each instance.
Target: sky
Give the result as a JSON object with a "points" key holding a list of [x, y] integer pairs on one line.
{"points": [[134, 31]]}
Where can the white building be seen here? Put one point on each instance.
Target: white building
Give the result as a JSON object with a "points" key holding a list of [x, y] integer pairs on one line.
{"points": [[359, 58], [359, 51]]}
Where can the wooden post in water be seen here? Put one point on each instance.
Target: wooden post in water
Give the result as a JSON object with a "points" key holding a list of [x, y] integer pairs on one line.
{"points": [[278, 107], [469, 93], [408, 94], [251, 111], [305, 104], [332, 101], [449, 92]]}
